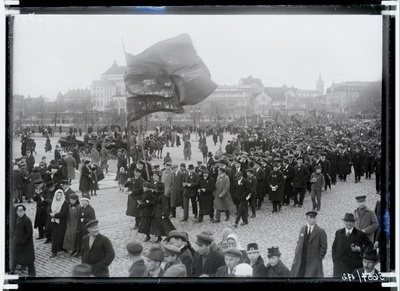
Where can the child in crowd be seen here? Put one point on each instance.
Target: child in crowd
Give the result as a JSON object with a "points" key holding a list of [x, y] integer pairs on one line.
{"points": [[122, 177]]}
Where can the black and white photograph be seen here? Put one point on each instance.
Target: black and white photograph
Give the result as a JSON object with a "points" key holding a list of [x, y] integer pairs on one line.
{"points": [[220, 146]]}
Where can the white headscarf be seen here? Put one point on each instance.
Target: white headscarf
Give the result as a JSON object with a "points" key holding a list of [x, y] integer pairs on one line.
{"points": [[56, 205], [236, 239]]}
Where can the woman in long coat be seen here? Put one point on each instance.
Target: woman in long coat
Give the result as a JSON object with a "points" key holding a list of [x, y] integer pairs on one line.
{"points": [[70, 237], [59, 216], [276, 181], [22, 250], [47, 146], [146, 205], [85, 179]]}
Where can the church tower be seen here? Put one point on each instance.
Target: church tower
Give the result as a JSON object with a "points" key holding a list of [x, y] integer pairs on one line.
{"points": [[320, 85]]}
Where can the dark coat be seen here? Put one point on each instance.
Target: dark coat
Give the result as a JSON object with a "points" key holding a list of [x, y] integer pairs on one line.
{"points": [[206, 199], [72, 225], [22, 240], [187, 259], [86, 214], [334, 159], [99, 256], [223, 272], [344, 163], [343, 258], [31, 183], [17, 180], [58, 229], [260, 176], [136, 188], [85, 179], [241, 189], [177, 189], [216, 260], [30, 161], [358, 163], [41, 215], [277, 271], [259, 269], [317, 246], [146, 211], [137, 269], [194, 179], [276, 178], [301, 176]]}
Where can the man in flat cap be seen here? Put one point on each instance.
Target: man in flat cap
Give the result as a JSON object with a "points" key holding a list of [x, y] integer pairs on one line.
{"points": [[317, 181], [135, 186], [366, 219], [207, 261], [152, 260], [232, 259], [137, 268], [65, 186], [348, 247], [97, 250], [171, 256], [312, 245], [177, 239]]}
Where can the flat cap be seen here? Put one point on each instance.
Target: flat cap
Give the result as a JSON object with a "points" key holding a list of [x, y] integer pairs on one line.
{"points": [[156, 254], [361, 198], [239, 174], [231, 251], [92, 223], [134, 247], [312, 213], [176, 233], [171, 250], [73, 196]]}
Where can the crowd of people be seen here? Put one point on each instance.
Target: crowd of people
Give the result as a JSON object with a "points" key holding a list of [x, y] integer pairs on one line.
{"points": [[271, 161]]}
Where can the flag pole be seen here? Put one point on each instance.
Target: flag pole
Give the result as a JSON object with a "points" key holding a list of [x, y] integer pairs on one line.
{"points": [[143, 152]]}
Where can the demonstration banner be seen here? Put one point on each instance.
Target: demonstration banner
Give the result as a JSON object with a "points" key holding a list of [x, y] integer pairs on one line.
{"points": [[166, 77]]}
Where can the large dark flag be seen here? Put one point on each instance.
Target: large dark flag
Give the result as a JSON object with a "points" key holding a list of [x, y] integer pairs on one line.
{"points": [[166, 77]]}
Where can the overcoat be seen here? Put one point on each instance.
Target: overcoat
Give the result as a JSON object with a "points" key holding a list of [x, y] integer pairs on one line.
{"points": [[222, 186], [206, 199], [366, 220], [71, 166], [24, 252], [194, 179], [72, 225], [85, 179], [316, 251], [276, 178], [58, 229], [86, 214], [301, 176], [136, 188], [177, 190]]}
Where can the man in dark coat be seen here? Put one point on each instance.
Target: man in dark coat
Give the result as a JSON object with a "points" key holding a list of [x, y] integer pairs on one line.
{"points": [[301, 177], [135, 186], [177, 188], [97, 250], [40, 216], [344, 164], [210, 160], [348, 247], [206, 259], [205, 194], [30, 161], [288, 173], [137, 268], [190, 185], [242, 191], [358, 164], [232, 259], [121, 162], [22, 249], [276, 181], [259, 173], [376, 168], [311, 249], [86, 214], [326, 170], [76, 156], [85, 179], [368, 272], [48, 195], [177, 239], [57, 154]]}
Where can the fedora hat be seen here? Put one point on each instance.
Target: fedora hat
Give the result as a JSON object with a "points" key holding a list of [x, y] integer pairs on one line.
{"points": [[349, 217], [370, 254]]}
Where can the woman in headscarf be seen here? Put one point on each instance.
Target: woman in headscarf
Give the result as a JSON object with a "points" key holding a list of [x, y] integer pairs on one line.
{"points": [[59, 215], [72, 224], [225, 232], [232, 240]]}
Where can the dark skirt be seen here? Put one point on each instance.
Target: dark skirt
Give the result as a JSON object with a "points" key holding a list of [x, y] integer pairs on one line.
{"points": [[144, 226], [161, 227]]}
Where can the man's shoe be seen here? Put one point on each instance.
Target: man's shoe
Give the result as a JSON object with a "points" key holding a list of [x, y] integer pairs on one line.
{"points": [[72, 253], [47, 241], [235, 225], [212, 219], [197, 220], [227, 219], [53, 255], [185, 219], [217, 221], [195, 216], [253, 216], [243, 224], [40, 237]]}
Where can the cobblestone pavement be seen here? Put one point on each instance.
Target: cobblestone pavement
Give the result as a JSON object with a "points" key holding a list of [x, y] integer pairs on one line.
{"points": [[267, 229]]}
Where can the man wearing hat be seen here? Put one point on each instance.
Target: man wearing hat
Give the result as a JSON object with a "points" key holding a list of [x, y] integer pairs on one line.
{"points": [[167, 177], [137, 268], [255, 260], [210, 160], [326, 170], [65, 186], [30, 161], [190, 186], [146, 206], [85, 179], [368, 272], [40, 215], [207, 261], [288, 173], [317, 181], [275, 268], [97, 250], [222, 197], [366, 219], [276, 182], [48, 195], [152, 261], [348, 247], [121, 162], [135, 186], [259, 174], [242, 191], [311, 248], [358, 164], [176, 271], [199, 168], [177, 188], [22, 252], [171, 256], [301, 177], [71, 166], [86, 214], [232, 259], [205, 196], [177, 239]]}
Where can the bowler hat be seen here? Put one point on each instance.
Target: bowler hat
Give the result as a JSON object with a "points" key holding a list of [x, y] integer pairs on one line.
{"points": [[92, 223], [252, 247], [349, 217], [191, 167], [273, 251], [239, 174], [210, 154], [64, 182], [168, 164], [231, 251], [176, 233], [183, 165], [156, 254], [82, 270], [134, 247], [171, 250]]}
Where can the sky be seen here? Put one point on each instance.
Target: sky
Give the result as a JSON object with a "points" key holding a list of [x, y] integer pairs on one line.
{"points": [[55, 53]]}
